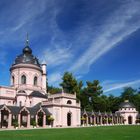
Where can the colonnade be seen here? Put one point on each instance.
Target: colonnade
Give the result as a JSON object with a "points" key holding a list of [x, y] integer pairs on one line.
{"points": [[23, 118], [101, 119]]}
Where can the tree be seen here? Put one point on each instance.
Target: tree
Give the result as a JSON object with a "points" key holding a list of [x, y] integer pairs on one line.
{"points": [[99, 103], [94, 88], [113, 103], [136, 101], [85, 101], [54, 90], [90, 95], [70, 84], [128, 94]]}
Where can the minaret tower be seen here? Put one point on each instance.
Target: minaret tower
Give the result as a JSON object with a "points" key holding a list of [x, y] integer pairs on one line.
{"points": [[44, 76]]}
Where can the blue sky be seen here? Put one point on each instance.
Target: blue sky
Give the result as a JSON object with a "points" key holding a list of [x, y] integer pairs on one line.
{"points": [[93, 39]]}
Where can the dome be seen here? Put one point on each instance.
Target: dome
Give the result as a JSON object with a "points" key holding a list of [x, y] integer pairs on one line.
{"points": [[127, 104], [27, 50], [26, 57]]}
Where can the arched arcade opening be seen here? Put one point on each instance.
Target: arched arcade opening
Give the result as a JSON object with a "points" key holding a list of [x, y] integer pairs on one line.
{"points": [[69, 117], [129, 119]]}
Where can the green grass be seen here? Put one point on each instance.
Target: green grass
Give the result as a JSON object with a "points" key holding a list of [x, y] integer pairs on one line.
{"points": [[91, 133]]}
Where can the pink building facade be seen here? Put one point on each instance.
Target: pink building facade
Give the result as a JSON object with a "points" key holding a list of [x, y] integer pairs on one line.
{"points": [[26, 102], [128, 112]]}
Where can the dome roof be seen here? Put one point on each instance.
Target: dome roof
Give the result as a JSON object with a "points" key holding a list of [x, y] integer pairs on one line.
{"points": [[127, 104], [27, 49], [26, 57]]}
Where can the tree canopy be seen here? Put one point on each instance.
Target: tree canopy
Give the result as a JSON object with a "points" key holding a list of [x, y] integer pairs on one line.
{"points": [[54, 90], [70, 84]]}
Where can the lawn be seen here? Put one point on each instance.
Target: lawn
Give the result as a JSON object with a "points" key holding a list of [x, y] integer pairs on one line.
{"points": [[91, 133]]}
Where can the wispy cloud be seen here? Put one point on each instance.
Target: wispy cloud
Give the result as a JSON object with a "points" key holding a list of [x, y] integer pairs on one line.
{"points": [[116, 28], [62, 44], [56, 56], [22, 17], [54, 78], [113, 85]]}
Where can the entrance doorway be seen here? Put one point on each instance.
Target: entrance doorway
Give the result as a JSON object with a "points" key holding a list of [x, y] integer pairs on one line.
{"points": [[4, 118], [130, 120], [40, 118], [69, 119], [24, 118]]}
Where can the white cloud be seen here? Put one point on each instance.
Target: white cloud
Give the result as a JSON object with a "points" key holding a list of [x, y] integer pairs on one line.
{"points": [[56, 56], [41, 17], [23, 18], [113, 85], [29, 11], [116, 28], [54, 79]]}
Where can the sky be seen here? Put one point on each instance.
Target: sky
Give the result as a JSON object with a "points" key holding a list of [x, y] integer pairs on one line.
{"points": [[93, 39]]}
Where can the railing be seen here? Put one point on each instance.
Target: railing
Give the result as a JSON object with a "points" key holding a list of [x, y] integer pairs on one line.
{"points": [[53, 102], [63, 95]]}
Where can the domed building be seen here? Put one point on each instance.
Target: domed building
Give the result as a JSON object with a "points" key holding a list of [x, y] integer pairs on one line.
{"points": [[128, 111], [26, 101]]}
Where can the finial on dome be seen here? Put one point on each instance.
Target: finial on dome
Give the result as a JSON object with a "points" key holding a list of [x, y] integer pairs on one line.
{"points": [[27, 39], [27, 49]]}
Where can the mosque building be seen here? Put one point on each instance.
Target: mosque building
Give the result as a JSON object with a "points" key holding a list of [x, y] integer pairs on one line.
{"points": [[27, 102]]}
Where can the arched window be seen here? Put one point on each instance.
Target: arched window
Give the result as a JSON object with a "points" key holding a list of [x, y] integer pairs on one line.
{"points": [[20, 103], [23, 79], [69, 102], [13, 80], [35, 81]]}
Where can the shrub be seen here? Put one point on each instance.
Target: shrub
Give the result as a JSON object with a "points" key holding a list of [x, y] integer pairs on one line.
{"points": [[109, 120], [34, 123], [50, 118], [83, 118], [137, 120], [15, 123]]}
